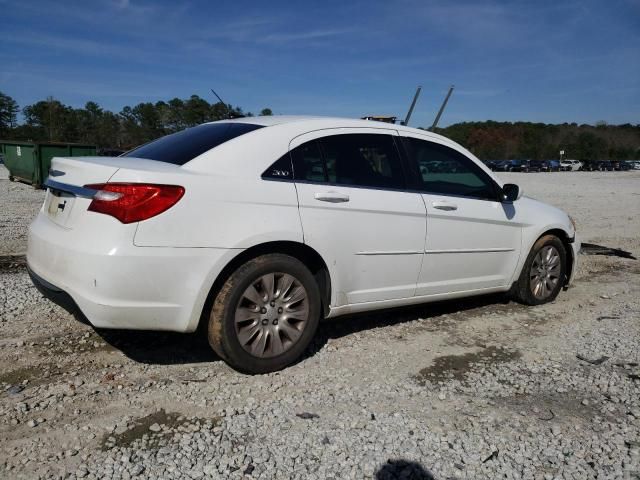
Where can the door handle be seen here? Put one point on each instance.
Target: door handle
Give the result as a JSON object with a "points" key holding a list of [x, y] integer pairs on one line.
{"points": [[440, 205], [332, 197]]}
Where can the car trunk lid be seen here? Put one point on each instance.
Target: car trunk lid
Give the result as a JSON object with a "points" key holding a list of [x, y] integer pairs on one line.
{"points": [[67, 195], [65, 184]]}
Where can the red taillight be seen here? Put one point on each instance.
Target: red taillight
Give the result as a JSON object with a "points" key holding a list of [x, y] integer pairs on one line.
{"points": [[133, 202]]}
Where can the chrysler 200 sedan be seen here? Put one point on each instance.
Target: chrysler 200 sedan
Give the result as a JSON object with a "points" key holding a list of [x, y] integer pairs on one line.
{"points": [[257, 228]]}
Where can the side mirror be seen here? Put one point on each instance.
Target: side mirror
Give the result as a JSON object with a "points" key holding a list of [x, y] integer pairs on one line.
{"points": [[511, 192]]}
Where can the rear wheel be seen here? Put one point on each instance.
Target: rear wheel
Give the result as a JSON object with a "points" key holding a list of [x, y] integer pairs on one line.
{"points": [[543, 273], [266, 314]]}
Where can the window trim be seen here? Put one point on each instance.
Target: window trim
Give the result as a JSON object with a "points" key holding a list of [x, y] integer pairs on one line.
{"points": [[417, 183]]}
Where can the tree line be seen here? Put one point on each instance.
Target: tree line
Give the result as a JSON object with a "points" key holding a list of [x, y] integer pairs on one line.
{"points": [[540, 141], [51, 120]]}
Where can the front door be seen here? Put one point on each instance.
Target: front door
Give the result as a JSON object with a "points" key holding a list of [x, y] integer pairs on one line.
{"points": [[473, 242]]}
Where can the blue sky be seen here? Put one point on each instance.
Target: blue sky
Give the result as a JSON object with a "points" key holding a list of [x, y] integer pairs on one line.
{"points": [[548, 61]]}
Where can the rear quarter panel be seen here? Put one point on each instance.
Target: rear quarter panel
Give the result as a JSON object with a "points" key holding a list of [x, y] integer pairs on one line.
{"points": [[220, 211]]}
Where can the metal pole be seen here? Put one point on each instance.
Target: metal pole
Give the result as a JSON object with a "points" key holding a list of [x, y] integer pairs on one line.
{"points": [[413, 104], [444, 104], [223, 104]]}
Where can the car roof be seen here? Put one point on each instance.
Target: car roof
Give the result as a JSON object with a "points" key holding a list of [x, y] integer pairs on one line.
{"points": [[327, 122]]}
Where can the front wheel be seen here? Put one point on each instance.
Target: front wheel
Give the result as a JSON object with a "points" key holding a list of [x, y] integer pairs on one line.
{"points": [[543, 273], [265, 314]]}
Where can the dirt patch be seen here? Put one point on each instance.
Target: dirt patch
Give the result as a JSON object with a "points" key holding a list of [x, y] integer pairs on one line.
{"points": [[599, 268], [12, 263], [457, 366], [36, 374], [155, 430], [474, 307]]}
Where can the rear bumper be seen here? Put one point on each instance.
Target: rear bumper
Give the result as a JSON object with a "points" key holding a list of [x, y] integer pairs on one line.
{"points": [[115, 284], [53, 293]]}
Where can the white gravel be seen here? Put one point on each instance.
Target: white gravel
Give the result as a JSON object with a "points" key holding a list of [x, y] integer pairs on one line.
{"points": [[462, 390], [18, 205]]}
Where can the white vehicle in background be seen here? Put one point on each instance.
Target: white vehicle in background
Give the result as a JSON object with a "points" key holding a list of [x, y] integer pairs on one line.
{"points": [[570, 165], [257, 228]]}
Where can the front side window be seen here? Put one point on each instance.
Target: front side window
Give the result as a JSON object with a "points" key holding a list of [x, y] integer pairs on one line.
{"points": [[445, 171]]}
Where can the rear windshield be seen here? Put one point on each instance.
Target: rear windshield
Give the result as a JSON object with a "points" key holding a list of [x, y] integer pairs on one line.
{"points": [[179, 148]]}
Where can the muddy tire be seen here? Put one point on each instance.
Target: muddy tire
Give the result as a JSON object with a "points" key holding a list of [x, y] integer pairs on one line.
{"points": [[265, 315], [543, 274]]}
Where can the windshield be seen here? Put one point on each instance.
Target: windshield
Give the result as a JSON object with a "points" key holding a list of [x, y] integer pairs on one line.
{"points": [[182, 147]]}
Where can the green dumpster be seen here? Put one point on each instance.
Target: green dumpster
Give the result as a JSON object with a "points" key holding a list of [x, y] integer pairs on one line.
{"points": [[30, 161]]}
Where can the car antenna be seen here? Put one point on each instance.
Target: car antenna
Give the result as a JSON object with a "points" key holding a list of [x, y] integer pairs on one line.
{"points": [[444, 104], [413, 104], [229, 115]]}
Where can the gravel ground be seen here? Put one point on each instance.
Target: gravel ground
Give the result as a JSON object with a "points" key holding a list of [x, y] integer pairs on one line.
{"points": [[474, 389], [19, 205]]}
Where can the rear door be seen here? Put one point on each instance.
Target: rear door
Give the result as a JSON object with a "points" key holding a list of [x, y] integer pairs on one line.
{"points": [[472, 240], [357, 214]]}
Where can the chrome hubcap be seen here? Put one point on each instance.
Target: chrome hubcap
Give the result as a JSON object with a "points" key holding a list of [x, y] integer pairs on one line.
{"points": [[271, 315], [545, 272]]}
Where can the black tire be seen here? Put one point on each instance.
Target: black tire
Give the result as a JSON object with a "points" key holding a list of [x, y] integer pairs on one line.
{"points": [[222, 331], [12, 178], [523, 290]]}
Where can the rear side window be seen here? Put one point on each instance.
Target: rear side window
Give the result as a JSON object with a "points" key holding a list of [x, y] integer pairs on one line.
{"points": [[280, 170], [362, 160], [308, 163], [182, 147], [445, 171], [366, 160]]}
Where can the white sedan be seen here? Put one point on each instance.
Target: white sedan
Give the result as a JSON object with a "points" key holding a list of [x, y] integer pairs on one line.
{"points": [[257, 228], [570, 165]]}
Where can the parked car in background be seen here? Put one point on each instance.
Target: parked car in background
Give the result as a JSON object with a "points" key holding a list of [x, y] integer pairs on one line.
{"points": [[570, 165], [257, 228], [636, 164], [625, 166], [538, 166], [491, 164], [519, 166], [500, 165], [512, 166], [604, 165], [554, 165]]}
